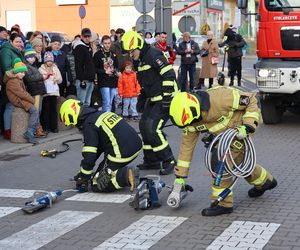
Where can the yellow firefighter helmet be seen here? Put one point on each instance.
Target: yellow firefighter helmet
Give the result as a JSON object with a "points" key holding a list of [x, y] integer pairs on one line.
{"points": [[184, 109]]}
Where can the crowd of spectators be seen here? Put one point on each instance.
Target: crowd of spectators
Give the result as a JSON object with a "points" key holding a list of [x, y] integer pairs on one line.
{"points": [[95, 70]]}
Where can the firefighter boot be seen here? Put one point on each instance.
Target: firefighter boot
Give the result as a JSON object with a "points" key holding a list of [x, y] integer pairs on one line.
{"points": [[168, 167], [149, 166], [254, 192], [217, 210], [133, 176], [82, 183]]}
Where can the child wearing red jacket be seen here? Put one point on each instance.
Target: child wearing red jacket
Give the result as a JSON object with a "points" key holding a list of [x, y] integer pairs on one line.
{"points": [[129, 89]]}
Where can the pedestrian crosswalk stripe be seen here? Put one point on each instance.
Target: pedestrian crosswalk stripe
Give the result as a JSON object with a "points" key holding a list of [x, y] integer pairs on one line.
{"points": [[16, 193], [8, 210], [100, 197], [143, 233], [47, 230], [244, 235]]}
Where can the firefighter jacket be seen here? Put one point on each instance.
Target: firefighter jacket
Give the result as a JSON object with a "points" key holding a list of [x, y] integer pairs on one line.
{"points": [[108, 133], [156, 76], [221, 108]]}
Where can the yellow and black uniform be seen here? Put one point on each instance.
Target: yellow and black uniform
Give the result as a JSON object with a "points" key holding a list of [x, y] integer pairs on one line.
{"points": [[158, 81], [223, 108], [107, 133]]}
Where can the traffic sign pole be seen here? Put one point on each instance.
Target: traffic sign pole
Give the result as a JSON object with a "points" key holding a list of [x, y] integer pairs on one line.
{"points": [[145, 22], [82, 14]]}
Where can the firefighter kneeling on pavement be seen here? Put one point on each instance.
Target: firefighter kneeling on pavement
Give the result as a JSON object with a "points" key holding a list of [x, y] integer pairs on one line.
{"points": [[108, 133], [213, 112]]}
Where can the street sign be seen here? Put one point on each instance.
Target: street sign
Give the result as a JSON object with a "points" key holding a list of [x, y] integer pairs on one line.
{"points": [[145, 23], [82, 11], [186, 8], [144, 6], [215, 4], [187, 24]]}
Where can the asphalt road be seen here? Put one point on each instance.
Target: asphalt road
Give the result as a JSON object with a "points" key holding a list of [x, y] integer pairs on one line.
{"points": [[108, 222]]}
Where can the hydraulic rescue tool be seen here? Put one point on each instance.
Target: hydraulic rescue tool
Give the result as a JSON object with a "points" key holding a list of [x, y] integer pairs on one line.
{"points": [[52, 153], [178, 193], [42, 199], [146, 195], [227, 167]]}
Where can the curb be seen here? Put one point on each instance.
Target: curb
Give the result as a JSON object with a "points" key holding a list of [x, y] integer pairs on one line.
{"points": [[17, 147]]}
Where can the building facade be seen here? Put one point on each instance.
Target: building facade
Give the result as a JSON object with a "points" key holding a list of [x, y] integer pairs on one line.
{"points": [[56, 15], [102, 15]]}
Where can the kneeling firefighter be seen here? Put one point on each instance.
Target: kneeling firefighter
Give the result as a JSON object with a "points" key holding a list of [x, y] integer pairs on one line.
{"points": [[158, 81], [213, 112], [108, 133]]}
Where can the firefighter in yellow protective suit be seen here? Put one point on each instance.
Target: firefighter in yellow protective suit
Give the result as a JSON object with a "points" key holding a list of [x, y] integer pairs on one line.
{"points": [[213, 112]]}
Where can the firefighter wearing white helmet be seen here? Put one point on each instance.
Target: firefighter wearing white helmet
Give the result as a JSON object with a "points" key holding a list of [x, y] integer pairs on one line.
{"points": [[158, 81], [213, 112]]}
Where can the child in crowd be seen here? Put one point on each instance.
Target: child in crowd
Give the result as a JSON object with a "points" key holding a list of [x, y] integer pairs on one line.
{"points": [[129, 89], [19, 97], [34, 82], [52, 79]]}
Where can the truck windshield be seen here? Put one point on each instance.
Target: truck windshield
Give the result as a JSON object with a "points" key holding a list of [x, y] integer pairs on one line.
{"points": [[280, 5]]}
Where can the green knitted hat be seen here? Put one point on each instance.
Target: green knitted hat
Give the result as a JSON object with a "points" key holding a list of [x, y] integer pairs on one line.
{"points": [[19, 66]]}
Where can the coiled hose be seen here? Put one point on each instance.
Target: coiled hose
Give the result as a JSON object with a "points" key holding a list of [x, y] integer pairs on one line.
{"points": [[224, 140], [227, 167]]}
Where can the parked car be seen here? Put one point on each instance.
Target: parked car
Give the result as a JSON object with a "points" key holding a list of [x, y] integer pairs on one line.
{"points": [[64, 37], [198, 39]]}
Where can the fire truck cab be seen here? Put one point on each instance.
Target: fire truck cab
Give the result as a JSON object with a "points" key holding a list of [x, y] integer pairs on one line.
{"points": [[278, 51]]}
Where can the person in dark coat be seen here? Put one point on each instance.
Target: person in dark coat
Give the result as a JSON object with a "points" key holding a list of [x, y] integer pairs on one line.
{"points": [[188, 49], [62, 62], [105, 62], [84, 67], [235, 44], [34, 82]]}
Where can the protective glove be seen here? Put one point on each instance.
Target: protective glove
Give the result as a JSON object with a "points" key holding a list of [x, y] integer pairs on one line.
{"points": [[242, 132], [141, 103], [103, 178], [82, 183]]}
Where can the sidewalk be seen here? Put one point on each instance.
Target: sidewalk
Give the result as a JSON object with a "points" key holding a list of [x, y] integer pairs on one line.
{"points": [[7, 147]]}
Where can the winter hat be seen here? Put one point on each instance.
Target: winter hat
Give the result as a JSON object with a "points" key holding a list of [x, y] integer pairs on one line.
{"points": [[29, 51], [36, 42], [48, 57], [55, 39], [19, 66]]}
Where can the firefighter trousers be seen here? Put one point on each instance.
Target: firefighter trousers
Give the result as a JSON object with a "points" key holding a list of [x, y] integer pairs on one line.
{"points": [[258, 177], [111, 175], [156, 147]]}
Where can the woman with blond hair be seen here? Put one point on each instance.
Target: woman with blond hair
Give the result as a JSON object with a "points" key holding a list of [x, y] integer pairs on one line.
{"points": [[210, 60]]}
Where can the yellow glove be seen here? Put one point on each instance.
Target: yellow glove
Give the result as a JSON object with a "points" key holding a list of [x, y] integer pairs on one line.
{"points": [[242, 132]]}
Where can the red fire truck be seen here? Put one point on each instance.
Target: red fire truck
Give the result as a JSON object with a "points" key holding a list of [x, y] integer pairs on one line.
{"points": [[278, 51]]}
